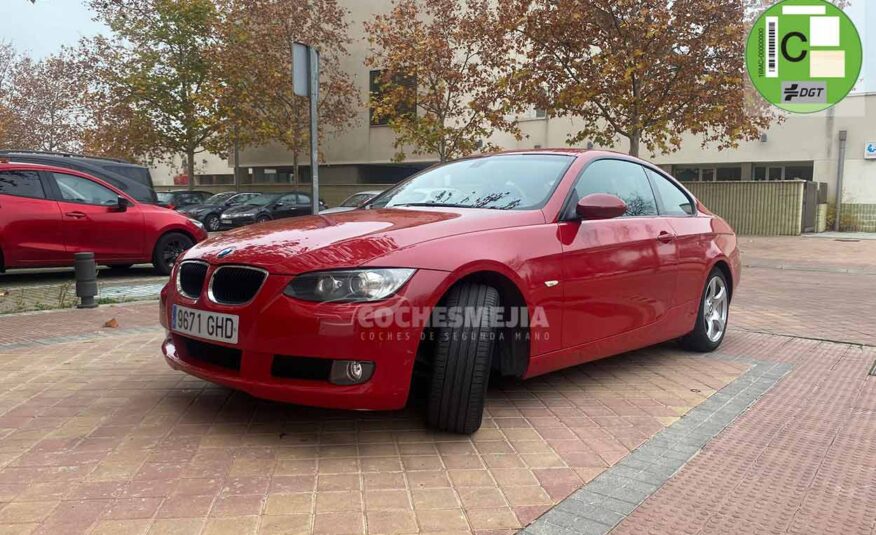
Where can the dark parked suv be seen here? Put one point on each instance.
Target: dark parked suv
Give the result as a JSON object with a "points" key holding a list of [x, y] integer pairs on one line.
{"points": [[132, 179]]}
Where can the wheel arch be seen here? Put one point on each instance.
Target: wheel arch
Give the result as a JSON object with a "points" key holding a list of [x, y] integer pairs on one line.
{"points": [[513, 343], [171, 230], [723, 266]]}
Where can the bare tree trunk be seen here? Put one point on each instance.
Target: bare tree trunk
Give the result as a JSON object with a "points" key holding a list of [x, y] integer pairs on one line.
{"points": [[190, 167], [236, 161], [296, 168], [635, 140]]}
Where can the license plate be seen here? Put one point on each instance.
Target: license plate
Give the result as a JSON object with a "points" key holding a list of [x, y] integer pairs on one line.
{"points": [[203, 324]]}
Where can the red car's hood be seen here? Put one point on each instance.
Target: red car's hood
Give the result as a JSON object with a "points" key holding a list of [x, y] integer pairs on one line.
{"points": [[347, 239]]}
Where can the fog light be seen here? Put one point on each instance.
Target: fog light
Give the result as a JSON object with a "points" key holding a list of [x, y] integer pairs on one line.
{"points": [[351, 372]]}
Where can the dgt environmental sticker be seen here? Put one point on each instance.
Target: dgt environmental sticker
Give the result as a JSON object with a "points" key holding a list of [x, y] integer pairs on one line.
{"points": [[804, 55]]}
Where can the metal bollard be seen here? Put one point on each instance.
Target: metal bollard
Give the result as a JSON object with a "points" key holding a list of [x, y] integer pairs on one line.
{"points": [[86, 279]]}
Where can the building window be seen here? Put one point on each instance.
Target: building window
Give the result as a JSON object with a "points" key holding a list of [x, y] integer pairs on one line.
{"points": [[377, 88], [687, 174], [729, 173], [798, 172], [784, 172]]}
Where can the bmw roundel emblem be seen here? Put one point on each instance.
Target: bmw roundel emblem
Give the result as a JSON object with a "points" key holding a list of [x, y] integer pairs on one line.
{"points": [[225, 252]]}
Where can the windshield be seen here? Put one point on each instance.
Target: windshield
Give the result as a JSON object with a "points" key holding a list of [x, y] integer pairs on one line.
{"points": [[164, 197], [241, 198], [263, 199], [219, 198], [501, 182], [355, 200]]}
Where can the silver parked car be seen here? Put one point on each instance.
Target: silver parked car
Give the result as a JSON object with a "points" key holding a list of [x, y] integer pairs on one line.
{"points": [[353, 201]]}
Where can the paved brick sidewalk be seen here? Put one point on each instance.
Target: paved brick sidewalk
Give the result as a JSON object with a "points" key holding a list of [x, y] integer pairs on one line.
{"points": [[102, 437], [98, 436], [830, 306], [63, 325], [801, 461], [809, 253]]}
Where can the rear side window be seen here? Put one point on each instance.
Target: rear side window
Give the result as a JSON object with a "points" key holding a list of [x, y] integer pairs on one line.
{"points": [[623, 179], [22, 184], [675, 202]]}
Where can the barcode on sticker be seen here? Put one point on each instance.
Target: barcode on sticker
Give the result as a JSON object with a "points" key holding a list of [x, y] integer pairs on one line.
{"points": [[772, 68]]}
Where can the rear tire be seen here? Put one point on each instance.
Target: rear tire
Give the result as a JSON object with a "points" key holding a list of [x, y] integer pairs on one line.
{"points": [[462, 361], [263, 219], [168, 248], [713, 316]]}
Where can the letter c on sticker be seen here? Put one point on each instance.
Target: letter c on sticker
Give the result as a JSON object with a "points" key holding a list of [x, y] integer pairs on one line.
{"points": [[802, 55]]}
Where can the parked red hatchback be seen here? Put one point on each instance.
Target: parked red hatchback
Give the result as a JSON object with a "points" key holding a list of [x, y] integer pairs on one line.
{"points": [[49, 213], [516, 264]]}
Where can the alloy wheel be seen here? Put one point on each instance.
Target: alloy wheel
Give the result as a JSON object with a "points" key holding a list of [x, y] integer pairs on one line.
{"points": [[715, 309]]}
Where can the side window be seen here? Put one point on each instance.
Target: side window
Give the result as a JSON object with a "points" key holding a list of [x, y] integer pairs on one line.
{"points": [[303, 199], [78, 189], [22, 184], [675, 201], [626, 180]]}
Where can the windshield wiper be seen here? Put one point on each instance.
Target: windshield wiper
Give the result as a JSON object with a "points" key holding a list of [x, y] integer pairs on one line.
{"points": [[438, 204]]}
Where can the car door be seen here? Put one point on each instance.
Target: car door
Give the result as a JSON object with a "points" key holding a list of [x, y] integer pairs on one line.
{"points": [[30, 221], [284, 206], [693, 235], [303, 205], [93, 222], [618, 274]]}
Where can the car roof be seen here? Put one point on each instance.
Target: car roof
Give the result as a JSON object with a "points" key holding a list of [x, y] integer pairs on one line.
{"points": [[22, 166], [94, 167], [26, 166]]}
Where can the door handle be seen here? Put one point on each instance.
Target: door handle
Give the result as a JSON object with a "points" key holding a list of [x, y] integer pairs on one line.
{"points": [[75, 215], [665, 237]]}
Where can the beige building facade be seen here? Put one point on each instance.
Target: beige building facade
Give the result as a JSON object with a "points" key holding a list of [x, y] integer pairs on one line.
{"points": [[803, 147]]}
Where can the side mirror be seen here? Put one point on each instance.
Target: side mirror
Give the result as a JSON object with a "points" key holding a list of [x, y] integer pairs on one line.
{"points": [[122, 204], [600, 206]]}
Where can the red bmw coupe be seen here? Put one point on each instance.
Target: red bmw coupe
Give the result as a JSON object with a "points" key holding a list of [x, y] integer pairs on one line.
{"points": [[516, 264]]}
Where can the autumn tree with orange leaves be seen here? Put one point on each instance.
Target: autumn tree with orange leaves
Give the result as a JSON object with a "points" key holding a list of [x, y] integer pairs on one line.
{"points": [[40, 105], [648, 71], [437, 83], [256, 56]]}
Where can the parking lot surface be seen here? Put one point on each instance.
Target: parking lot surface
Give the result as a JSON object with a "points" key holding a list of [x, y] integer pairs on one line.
{"points": [[98, 435]]}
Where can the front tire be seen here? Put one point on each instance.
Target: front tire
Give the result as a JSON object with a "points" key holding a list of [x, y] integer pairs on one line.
{"points": [[263, 219], [212, 222], [462, 360], [168, 248], [713, 315]]}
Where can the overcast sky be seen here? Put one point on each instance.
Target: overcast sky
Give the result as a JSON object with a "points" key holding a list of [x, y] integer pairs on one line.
{"points": [[43, 27]]}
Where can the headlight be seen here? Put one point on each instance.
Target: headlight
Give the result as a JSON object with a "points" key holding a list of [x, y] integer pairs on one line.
{"points": [[348, 285], [197, 223]]}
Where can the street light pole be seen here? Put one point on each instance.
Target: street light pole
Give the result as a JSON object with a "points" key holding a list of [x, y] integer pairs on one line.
{"points": [[305, 83], [313, 63]]}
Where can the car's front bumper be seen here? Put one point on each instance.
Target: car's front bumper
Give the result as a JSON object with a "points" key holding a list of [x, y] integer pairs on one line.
{"points": [[238, 221], [276, 326]]}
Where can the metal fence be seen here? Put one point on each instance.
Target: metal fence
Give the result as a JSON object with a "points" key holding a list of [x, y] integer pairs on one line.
{"points": [[773, 208]]}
